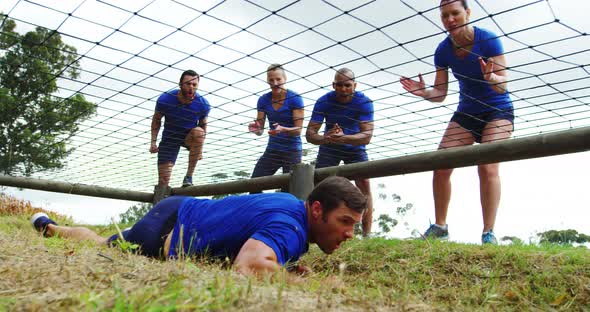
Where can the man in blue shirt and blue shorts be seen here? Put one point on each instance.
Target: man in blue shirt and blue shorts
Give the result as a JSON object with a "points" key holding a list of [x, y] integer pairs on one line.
{"points": [[259, 233], [185, 124], [349, 127]]}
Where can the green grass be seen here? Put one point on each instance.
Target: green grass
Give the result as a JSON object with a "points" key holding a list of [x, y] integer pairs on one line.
{"points": [[373, 274], [465, 277]]}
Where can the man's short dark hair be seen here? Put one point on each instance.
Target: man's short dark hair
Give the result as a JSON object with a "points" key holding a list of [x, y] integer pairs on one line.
{"points": [[191, 73], [334, 190], [463, 2]]}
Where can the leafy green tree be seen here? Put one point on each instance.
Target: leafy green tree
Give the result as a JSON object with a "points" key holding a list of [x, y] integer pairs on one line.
{"points": [[135, 212], [387, 222], [35, 125], [564, 237], [513, 240]]}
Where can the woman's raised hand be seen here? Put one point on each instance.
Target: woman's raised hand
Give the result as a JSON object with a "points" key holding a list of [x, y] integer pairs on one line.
{"points": [[417, 88], [487, 69]]}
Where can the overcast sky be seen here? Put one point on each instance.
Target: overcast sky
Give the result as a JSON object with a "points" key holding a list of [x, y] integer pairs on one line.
{"points": [[141, 55]]}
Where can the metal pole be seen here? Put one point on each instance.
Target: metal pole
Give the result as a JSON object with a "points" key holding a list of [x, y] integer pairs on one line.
{"points": [[301, 182], [78, 189]]}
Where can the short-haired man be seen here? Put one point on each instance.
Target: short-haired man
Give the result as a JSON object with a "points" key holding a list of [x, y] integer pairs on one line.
{"points": [[259, 233], [185, 124], [349, 127]]}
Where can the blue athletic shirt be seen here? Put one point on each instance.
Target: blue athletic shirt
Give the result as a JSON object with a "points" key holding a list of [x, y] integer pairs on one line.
{"points": [[476, 95], [348, 116], [179, 117], [219, 228], [284, 117]]}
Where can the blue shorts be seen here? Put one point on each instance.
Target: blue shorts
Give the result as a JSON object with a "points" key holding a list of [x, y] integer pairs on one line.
{"points": [[170, 146], [272, 160], [477, 123], [328, 157], [151, 231]]}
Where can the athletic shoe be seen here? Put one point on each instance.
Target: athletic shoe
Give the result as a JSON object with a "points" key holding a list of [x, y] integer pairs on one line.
{"points": [[188, 181], [437, 232], [489, 238], [40, 221]]}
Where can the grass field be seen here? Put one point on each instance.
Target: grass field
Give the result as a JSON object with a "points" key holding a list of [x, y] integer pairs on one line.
{"points": [[51, 274]]}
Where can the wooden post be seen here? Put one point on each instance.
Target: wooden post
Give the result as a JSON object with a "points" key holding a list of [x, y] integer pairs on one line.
{"points": [[161, 192], [548, 144], [75, 188], [301, 182]]}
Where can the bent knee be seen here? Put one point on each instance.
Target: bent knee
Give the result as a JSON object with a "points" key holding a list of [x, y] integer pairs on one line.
{"points": [[197, 132], [442, 174], [488, 171]]}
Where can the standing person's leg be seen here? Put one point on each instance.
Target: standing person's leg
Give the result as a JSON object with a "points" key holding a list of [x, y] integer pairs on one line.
{"points": [[289, 159], [489, 177], [367, 221], [164, 173], [328, 157], [454, 136], [194, 141], [267, 164], [168, 151], [364, 186]]}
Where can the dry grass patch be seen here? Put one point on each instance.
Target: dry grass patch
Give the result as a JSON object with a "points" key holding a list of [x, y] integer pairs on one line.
{"points": [[371, 274]]}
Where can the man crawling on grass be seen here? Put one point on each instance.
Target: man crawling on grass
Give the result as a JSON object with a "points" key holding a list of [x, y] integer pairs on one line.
{"points": [[259, 233]]}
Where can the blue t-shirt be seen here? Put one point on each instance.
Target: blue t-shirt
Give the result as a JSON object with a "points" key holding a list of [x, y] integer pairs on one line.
{"points": [[219, 228], [348, 116], [284, 117], [476, 95], [179, 117]]}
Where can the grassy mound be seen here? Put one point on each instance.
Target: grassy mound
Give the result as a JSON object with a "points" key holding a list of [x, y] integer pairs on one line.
{"points": [[373, 274]]}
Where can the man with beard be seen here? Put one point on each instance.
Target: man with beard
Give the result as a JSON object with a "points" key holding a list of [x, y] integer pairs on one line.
{"points": [[259, 233], [349, 127], [185, 124]]}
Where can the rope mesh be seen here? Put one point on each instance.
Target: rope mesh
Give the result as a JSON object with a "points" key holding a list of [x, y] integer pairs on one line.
{"points": [[131, 52]]}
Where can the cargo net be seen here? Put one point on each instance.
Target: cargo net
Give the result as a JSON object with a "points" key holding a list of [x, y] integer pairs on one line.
{"points": [[130, 52]]}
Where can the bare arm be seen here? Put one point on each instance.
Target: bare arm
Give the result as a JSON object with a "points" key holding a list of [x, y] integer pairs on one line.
{"points": [[437, 93], [258, 125], [156, 124], [361, 138], [495, 73], [203, 124], [256, 258], [312, 136], [290, 131]]}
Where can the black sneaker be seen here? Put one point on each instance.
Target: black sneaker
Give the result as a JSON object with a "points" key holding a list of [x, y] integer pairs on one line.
{"points": [[437, 232], [40, 221], [187, 181]]}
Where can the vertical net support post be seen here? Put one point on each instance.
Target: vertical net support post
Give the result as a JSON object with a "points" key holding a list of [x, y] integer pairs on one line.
{"points": [[161, 192], [301, 181]]}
